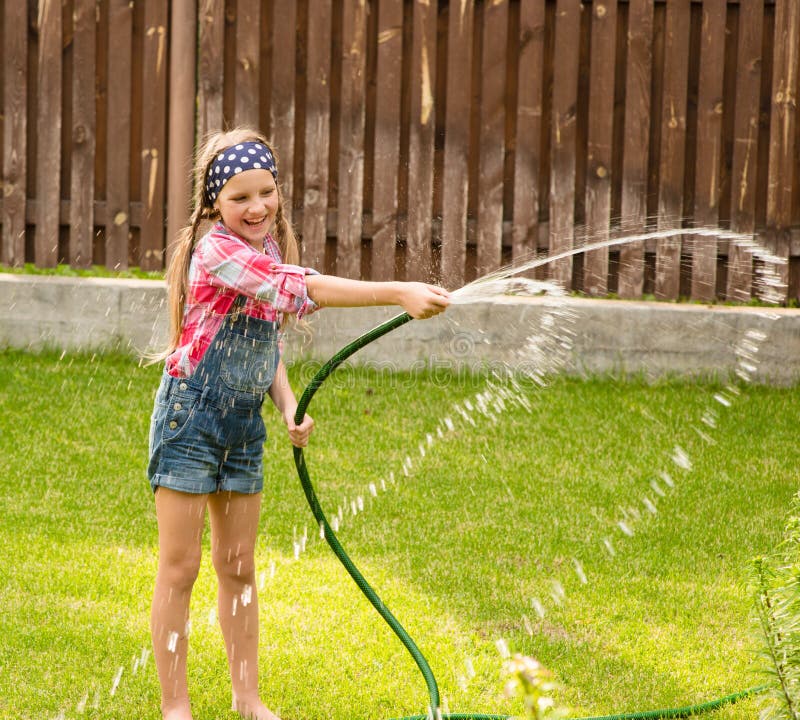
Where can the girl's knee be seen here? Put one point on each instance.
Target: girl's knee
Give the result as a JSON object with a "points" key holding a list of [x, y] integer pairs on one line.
{"points": [[234, 565], [180, 570]]}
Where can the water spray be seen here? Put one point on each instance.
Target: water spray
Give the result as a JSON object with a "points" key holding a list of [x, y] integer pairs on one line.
{"points": [[467, 294]]}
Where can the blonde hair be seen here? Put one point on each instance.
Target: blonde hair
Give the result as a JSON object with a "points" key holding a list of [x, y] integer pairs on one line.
{"points": [[177, 275]]}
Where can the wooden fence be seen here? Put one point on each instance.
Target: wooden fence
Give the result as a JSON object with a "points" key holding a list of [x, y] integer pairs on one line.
{"points": [[419, 139]]}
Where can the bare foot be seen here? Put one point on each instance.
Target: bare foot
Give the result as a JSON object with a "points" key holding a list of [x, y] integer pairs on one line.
{"points": [[177, 713], [253, 709]]}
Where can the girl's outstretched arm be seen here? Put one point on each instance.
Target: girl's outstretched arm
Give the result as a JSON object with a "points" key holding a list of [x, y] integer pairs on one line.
{"points": [[419, 300]]}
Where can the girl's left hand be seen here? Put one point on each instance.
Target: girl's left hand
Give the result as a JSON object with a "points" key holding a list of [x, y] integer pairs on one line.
{"points": [[299, 434]]}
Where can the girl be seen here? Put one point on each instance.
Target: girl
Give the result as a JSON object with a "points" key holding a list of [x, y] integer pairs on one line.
{"points": [[228, 293]]}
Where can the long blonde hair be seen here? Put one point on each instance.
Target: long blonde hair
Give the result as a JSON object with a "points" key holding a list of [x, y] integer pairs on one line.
{"points": [[177, 275]]}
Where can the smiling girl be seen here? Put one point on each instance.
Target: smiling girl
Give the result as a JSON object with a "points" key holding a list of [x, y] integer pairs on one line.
{"points": [[228, 293]]}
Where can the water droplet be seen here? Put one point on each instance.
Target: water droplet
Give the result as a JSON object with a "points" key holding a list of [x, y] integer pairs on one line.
{"points": [[722, 400], [579, 571], [117, 678], [538, 607], [680, 458], [502, 648], [172, 641], [527, 624], [710, 418], [705, 437], [625, 528], [557, 592], [80, 708]]}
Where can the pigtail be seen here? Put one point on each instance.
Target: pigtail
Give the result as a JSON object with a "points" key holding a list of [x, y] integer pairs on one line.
{"points": [[177, 275], [285, 235]]}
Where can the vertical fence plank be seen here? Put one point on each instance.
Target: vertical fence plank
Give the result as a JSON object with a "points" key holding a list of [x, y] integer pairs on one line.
{"points": [[673, 147], [83, 135], [636, 144], [315, 206], [351, 148], [211, 40], [15, 109], [153, 134], [783, 119], [563, 135], [180, 123], [118, 148], [491, 142], [282, 102], [784, 111], [600, 143], [248, 23], [81, 215], [48, 131], [387, 138], [745, 145], [709, 147], [525, 223], [421, 142], [456, 142]]}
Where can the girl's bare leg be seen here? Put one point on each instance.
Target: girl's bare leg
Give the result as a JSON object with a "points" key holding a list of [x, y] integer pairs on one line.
{"points": [[234, 526], [181, 517]]}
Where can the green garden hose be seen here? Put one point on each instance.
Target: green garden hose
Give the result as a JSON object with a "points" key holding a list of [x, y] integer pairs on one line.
{"points": [[371, 595]]}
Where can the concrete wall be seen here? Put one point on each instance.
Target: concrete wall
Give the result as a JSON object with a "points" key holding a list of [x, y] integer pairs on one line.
{"points": [[534, 334]]}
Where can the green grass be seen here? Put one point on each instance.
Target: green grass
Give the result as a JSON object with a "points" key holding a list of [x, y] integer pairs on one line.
{"points": [[64, 270], [485, 525]]}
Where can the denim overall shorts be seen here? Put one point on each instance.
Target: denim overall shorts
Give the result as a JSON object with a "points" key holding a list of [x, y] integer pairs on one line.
{"points": [[206, 432]]}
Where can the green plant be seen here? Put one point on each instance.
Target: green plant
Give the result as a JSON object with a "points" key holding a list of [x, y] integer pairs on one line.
{"points": [[777, 600], [534, 684]]}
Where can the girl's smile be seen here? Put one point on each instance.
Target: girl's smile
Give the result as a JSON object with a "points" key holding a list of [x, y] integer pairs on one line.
{"points": [[248, 204]]}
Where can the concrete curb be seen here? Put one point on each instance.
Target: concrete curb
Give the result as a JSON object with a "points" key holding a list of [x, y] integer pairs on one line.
{"points": [[585, 336]]}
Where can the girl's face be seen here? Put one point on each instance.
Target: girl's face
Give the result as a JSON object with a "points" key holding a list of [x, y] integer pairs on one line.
{"points": [[248, 204]]}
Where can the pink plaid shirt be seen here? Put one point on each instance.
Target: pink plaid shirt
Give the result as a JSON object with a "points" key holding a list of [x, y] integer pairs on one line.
{"points": [[224, 266]]}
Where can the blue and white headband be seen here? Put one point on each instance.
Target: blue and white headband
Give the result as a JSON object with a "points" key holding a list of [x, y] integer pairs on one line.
{"points": [[236, 159]]}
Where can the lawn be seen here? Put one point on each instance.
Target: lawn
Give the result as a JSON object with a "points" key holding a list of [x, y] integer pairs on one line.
{"points": [[604, 527]]}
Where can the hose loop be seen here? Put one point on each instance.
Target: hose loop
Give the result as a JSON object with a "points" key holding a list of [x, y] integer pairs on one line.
{"points": [[330, 537]]}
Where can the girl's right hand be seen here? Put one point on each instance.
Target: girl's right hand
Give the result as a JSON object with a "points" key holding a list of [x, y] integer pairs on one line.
{"points": [[423, 301]]}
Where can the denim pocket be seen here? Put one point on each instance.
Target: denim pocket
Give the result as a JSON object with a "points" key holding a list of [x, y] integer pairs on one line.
{"points": [[249, 364], [177, 413]]}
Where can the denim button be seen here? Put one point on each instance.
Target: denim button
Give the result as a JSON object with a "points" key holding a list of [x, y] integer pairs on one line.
{"points": [[178, 406], [173, 425], [183, 386]]}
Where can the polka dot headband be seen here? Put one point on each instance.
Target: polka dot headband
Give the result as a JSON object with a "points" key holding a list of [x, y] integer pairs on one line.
{"points": [[236, 159]]}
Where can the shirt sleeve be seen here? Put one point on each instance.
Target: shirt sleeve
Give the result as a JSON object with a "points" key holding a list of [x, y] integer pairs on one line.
{"points": [[232, 263]]}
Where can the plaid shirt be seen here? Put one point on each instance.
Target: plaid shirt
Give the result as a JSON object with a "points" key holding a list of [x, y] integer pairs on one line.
{"points": [[224, 266]]}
